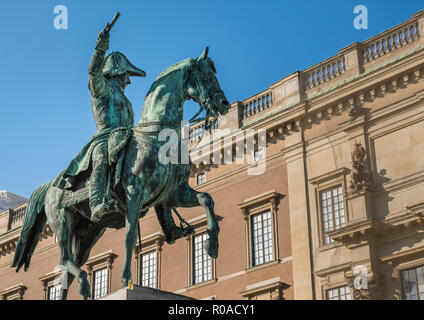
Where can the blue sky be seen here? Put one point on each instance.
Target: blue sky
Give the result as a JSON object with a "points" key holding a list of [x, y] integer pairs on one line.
{"points": [[45, 113]]}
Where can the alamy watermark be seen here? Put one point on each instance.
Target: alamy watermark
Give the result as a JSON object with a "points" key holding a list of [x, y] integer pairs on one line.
{"points": [[62, 278], [361, 277], [361, 20], [216, 147], [60, 21]]}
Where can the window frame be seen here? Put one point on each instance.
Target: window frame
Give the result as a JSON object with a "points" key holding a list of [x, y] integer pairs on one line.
{"points": [[203, 174], [50, 280], [403, 266], [273, 289], [204, 236], [15, 292], [338, 287], [200, 227], [259, 155], [96, 263], [320, 184], [264, 202], [53, 285], [153, 242], [321, 213], [252, 230]]}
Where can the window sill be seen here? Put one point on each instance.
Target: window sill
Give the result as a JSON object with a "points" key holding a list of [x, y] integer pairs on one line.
{"points": [[329, 246], [201, 284], [262, 266]]}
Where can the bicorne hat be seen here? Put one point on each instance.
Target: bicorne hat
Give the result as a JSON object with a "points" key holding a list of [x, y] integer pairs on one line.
{"points": [[117, 64]]}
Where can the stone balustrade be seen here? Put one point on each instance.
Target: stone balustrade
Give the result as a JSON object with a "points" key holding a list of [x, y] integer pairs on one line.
{"points": [[12, 218], [350, 63], [325, 71], [256, 104], [197, 130], [391, 40], [18, 214]]}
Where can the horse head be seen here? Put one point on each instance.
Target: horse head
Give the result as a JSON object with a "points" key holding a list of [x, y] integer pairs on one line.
{"points": [[203, 87]]}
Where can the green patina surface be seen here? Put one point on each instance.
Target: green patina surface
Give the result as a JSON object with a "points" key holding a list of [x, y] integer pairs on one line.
{"points": [[120, 173]]}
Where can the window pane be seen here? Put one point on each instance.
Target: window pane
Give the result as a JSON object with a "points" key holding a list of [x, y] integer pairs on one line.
{"points": [[100, 283], [148, 269], [202, 263], [262, 238], [332, 211], [54, 292], [201, 178], [341, 293], [413, 283]]}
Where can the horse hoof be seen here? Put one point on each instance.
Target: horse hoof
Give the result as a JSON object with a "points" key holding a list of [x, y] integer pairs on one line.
{"points": [[84, 289], [212, 248], [124, 282], [211, 244]]}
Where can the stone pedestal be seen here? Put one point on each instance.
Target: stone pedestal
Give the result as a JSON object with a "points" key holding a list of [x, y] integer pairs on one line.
{"points": [[143, 293]]}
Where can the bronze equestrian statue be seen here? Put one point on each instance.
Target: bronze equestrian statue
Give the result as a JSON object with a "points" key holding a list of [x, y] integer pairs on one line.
{"points": [[118, 175]]}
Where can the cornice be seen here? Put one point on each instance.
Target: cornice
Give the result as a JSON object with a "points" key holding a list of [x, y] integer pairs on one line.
{"points": [[108, 256], [331, 270], [269, 196], [355, 234]]}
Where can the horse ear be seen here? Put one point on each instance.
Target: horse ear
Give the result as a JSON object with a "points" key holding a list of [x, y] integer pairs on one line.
{"points": [[204, 54]]}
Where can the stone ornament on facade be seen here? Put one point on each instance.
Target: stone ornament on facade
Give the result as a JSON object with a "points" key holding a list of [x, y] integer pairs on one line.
{"points": [[353, 110], [365, 285], [360, 176]]}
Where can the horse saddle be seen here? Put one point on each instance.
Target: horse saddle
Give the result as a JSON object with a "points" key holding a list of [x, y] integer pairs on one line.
{"points": [[79, 192]]}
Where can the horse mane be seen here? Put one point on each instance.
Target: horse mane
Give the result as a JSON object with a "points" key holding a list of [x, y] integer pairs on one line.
{"points": [[174, 68], [178, 66]]}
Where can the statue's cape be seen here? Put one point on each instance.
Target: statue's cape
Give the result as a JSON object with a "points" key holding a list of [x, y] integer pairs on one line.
{"points": [[116, 140]]}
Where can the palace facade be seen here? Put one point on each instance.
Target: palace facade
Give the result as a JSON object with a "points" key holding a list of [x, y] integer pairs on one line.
{"points": [[331, 208]]}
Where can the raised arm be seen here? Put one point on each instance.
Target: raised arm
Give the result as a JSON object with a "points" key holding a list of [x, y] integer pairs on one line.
{"points": [[97, 82]]}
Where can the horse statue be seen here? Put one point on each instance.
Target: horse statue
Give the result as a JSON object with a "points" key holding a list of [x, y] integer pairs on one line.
{"points": [[140, 180]]}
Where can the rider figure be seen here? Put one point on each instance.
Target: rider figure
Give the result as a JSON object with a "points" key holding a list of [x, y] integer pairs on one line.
{"points": [[108, 78], [111, 109]]}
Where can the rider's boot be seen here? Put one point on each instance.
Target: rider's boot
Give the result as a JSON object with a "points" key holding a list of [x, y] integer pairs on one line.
{"points": [[99, 203], [105, 207]]}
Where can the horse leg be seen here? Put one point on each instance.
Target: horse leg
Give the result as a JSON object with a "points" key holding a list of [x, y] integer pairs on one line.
{"points": [[166, 221], [65, 241], [84, 242], [133, 208], [64, 290], [186, 196]]}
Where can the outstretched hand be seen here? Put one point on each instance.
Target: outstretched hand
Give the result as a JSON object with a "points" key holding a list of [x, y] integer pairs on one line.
{"points": [[104, 34], [103, 39]]}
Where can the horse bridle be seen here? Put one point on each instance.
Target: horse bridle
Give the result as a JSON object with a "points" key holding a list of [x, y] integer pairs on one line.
{"points": [[203, 101]]}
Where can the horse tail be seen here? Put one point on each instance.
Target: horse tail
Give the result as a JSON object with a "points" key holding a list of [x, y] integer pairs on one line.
{"points": [[32, 227]]}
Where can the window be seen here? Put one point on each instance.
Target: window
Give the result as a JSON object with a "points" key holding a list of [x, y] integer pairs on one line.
{"points": [[54, 292], [332, 210], [100, 283], [201, 267], [201, 178], [262, 238], [148, 269], [148, 260], [100, 273], [259, 155], [413, 283], [202, 263], [260, 217], [14, 293], [341, 293]]}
